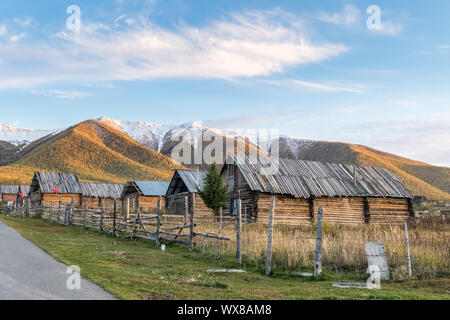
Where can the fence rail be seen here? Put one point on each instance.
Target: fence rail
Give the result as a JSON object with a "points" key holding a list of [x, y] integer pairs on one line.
{"points": [[154, 227], [418, 251]]}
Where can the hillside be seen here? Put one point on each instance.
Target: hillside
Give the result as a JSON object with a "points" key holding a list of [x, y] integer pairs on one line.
{"points": [[93, 151], [198, 134], [114, 150], [419, 178], [8, 152]]}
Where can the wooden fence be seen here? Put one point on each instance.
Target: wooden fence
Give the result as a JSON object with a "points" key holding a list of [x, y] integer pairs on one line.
{"points": [[137, 225], [184, 229]]}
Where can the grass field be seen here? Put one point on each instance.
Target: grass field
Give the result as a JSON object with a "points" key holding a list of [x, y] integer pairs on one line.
{"points": [[139, 270]]}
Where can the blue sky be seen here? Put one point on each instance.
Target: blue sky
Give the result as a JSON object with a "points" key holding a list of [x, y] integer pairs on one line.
{"points": [[311, 69]]}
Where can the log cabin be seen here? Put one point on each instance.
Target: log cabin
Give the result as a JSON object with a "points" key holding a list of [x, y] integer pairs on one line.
{"points": [[52, 187], [348, 194], [8, 193], [97, 195], [144, 194], [184, 184]]}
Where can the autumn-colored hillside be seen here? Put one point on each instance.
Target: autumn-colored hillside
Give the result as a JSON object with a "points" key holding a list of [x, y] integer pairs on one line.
{"points": [[93, 151], [418, 177]]}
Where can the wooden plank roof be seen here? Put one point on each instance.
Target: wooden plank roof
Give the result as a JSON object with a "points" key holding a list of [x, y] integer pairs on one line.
{"points": [[8, 189], [101, 190], [63, 182], [304, 179], [24, 189], [146, 188], [193, 180]]}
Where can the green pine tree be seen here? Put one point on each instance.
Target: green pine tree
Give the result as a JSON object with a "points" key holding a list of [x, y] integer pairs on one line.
{"points": [[214, 192]]}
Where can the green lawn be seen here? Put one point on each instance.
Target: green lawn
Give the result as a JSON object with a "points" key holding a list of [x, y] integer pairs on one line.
{"points": [[138, 270]]}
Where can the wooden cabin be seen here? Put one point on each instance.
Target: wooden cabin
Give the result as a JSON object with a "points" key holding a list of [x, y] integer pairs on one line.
{"points": [[348, 194], [179, 194], [8, 193], [97, 195], [144, 194], [54, 187]]}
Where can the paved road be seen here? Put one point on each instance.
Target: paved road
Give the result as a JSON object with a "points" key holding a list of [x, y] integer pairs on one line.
{"points": [[28, 273]]}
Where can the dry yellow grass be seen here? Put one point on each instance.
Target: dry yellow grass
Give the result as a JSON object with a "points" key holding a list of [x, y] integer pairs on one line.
{"points": [[343, 246]]}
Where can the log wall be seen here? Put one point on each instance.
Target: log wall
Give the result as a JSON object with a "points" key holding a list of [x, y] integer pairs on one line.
{"points": [[92, 202], [176, 204], [337, 210], [389, 210], [288, 210], [341, 210], [6, 196], [144, 202], [55, 197]]}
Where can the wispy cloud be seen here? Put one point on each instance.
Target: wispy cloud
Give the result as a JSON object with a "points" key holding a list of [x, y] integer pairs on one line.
{"points": [[324, 87], [3, 30], [17, 37], [314, 86], [349, 15], [389, 27], [248, 44], [25, 22], [60, 94], [437, 50], [404, 103]]}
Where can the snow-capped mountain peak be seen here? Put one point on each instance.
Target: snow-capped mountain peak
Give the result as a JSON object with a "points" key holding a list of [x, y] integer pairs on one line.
{"points": [[21, 136], [147, 134]]}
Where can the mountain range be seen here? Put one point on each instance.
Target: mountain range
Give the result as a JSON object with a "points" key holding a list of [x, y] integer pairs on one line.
{"points": [[105, 149]]}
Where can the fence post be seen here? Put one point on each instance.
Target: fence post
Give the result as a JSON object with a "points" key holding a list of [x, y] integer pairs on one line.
{"points": [[128, 209], [318, 263], [72, 210], [238, 232], [51, 211], [85, 215], [186, 211], [114, 218], [220, 232], [100, 228], [269, 241], [408, 253], [42, 207], [66, 214], [28, 206], [191, 227], [135, 223], [158, 220], [59, 210]]}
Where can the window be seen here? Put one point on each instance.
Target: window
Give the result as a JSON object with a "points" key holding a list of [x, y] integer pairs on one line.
{"points": [[234, 207]]}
